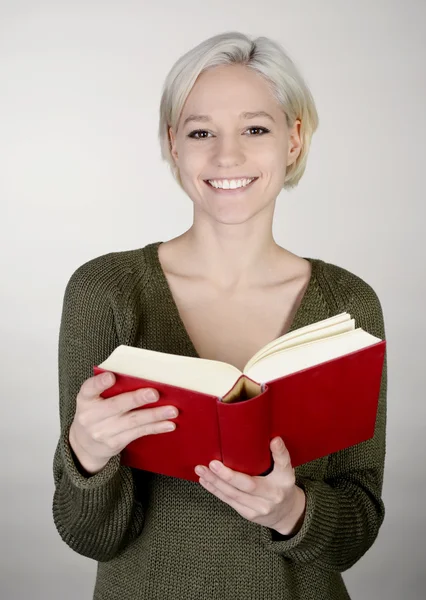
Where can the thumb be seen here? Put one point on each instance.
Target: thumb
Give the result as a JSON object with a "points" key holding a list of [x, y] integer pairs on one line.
{"points": [[280, 455]]}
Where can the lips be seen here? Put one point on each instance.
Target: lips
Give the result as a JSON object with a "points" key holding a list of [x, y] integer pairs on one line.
{"points": [[229, 190]]}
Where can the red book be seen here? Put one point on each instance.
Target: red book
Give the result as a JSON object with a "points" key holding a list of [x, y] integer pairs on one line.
{"points": [[316, 387]]}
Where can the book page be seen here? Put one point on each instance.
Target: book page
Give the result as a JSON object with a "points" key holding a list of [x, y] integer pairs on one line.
{"points": [[291, 360], [305, 334], [198, 374]]}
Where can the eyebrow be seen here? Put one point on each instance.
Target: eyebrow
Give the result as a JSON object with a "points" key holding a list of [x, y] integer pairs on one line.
{"points": [[243, 115]]}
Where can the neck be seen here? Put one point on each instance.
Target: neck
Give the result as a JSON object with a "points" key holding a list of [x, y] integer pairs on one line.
{"points": [[230, 256]]}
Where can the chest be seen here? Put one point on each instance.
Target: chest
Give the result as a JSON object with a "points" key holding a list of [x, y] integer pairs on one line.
{"points": [[232, 327]]}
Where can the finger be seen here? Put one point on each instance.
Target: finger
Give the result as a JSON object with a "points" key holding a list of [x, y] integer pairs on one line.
{"points": [[281, 458], [127, 401], [241, 481], [94, 386], [140, 420], [244, 508], [225, 483], [121, 440], [146, 416]]}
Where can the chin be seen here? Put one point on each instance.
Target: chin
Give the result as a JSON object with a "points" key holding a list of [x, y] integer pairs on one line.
{"points": [[229, 212], [233, 218]]}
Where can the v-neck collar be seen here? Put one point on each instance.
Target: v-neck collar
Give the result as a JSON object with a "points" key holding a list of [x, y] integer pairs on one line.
{"points": [[306, 313]]}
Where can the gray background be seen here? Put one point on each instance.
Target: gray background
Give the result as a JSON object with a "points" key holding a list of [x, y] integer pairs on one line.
{"points": [[81, 175]]}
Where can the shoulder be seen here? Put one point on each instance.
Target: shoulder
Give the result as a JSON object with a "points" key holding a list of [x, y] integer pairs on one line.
{"points": [[345, 291], [112, 273]]}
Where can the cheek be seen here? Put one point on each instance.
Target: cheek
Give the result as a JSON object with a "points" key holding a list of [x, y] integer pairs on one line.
{"points": [[191, 168], [268, 154], [279, 162], [278, 153], [192, 160]]}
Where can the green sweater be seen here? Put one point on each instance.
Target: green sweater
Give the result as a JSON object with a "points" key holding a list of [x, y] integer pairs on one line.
{"points": [[161, 538]]}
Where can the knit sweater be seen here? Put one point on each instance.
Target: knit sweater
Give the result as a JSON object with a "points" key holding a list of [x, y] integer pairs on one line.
{"points": [[160, 538]]}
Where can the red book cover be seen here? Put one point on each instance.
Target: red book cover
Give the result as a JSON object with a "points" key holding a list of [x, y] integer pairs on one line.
{"points": [[319, 410]]}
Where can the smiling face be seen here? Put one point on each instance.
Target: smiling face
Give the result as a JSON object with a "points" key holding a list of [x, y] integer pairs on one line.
{"points": [[232, 133]]}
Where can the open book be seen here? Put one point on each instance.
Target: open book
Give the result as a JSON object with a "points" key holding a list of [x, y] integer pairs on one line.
{"points": [[317, 387]]}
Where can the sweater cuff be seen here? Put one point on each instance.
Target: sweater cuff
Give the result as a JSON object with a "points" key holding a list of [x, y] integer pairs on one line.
{"points": [[317, 528], [75, 473]]}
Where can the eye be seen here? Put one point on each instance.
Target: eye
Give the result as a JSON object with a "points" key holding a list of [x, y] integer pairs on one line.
{"points": [[202, 134], [196, 135], [262, 129]]}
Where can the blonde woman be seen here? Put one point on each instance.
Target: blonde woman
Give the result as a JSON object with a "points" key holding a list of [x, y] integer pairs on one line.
{"points": [[236, 121]]}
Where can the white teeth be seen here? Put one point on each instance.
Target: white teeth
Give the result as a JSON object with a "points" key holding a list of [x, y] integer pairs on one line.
{"points": [[230, 184]]}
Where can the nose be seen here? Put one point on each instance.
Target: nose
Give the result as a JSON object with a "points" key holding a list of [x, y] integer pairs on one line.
{"points": [[228, 151]]}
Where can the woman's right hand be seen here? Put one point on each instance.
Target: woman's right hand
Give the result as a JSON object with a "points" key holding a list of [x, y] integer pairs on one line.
{"points": [[102, 427]]}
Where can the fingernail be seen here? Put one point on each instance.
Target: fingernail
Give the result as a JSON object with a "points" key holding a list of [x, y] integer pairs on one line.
{"points": [[107, 379], [151, 396], [214, 465], [170, 413]]}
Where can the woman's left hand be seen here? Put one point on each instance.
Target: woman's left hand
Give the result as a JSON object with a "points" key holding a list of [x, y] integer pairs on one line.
{"points": [[274, 500]]}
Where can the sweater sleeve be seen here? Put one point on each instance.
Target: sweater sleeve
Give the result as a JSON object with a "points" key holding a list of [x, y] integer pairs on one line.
{"points": [[95, 515], [344, 512]]}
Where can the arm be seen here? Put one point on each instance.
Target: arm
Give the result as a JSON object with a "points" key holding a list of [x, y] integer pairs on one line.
{"points": [[98, 515], [344, 512]]}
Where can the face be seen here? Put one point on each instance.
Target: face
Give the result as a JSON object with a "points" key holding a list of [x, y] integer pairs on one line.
{"points": [[231, 133]]}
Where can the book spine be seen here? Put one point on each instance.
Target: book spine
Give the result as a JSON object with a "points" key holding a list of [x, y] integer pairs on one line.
{"points": [[245, 432]]}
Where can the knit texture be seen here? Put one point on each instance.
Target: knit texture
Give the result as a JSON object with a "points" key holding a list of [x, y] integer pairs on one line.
{"points": [[161, 538]]}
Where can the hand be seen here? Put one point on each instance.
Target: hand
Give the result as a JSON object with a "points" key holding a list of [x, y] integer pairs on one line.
{"points": [[102, 427], [273, 501]]}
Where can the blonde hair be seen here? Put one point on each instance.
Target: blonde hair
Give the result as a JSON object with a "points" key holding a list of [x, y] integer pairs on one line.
{"points": [[264, 56]]}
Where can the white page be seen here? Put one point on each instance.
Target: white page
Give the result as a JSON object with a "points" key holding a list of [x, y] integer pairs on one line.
{"points": [[198, 374], [295, 359], [305, 334]]}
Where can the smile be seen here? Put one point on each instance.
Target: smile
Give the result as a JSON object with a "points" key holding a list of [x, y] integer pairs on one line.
{"points": [[230, 185]]}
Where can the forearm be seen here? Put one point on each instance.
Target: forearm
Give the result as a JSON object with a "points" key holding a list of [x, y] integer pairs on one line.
{"points": [[340, 525], [96, 516], [343, 512]]}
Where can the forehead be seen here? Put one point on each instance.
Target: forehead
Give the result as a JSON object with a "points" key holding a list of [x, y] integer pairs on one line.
{"points": [[229, 89]]}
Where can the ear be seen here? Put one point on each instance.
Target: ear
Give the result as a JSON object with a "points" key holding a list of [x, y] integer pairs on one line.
{"points": [[295, 143], [173, 149]]}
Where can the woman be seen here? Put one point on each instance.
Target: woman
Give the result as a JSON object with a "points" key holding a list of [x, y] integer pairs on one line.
{"points": [[235, 125]]}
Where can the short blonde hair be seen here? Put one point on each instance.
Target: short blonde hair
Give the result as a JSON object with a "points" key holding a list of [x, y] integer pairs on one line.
{"points": [[264, 56]]}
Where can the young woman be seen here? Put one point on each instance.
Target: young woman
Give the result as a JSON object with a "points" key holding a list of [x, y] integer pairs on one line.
{"points": [[236, 121]]}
